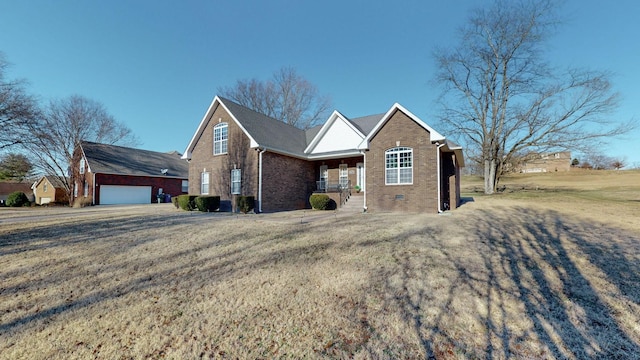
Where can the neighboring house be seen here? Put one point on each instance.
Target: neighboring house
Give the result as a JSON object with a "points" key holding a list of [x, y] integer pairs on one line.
{"points": [[397, 161], [50, 189], [548, 162], [108, 174], [6, 188]]}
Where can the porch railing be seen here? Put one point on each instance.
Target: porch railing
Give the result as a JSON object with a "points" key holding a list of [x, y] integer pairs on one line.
{"points": [[343, 187]]}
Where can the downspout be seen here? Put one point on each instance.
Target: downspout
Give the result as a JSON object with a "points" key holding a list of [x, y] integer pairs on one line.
{"points": [[364, 179], [93, 187], [439, 180], [260, 178]]}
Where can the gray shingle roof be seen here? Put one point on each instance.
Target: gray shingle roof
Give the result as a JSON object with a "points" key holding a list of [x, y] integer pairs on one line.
{"points": [[366, 123], [112, 159], [278, 135], [268, 131]]}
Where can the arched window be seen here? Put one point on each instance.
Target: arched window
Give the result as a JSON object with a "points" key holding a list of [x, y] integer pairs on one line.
{"points": [[220, 138], [398, 166]]}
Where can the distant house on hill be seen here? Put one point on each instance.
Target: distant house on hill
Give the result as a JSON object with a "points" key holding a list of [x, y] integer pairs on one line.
{"points": [[108, 174], [547, 162], [50, 189]]}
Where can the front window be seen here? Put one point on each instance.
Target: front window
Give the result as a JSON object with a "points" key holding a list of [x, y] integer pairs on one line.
{"points": [[204, 183], [86, 189], [185, 186], [399, 166], [82, 166], [344, 175], [45, 187], [220, 138], [236, 181]]}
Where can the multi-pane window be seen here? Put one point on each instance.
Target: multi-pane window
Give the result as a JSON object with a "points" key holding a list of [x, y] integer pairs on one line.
{"points": [[185, 186], [344, 175], [220, 138], [82, 166], [236, 181], [86, 189], [399, 166], [45, 187], [204, 183]]}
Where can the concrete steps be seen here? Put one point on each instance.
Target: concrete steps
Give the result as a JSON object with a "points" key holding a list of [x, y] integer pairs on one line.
{"points": [[355, 203]]}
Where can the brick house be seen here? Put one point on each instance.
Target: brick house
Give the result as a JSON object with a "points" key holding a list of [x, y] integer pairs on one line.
{"points": [[385, 162], [546, 162], [108, 174], [50, 189]]}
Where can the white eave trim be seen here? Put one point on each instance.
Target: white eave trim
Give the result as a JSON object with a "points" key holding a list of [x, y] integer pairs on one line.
{"points": [[203, 124], [325, 128], [433, 134]]}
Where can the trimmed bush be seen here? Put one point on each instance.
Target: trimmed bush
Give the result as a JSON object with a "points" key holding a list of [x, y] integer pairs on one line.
{"points": [[245, 203], [321, 202], [18, 199], [187, 202], [207, 203]]}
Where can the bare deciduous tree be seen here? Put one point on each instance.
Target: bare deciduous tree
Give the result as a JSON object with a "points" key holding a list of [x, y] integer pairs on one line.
{"points": [[287, 97], [64, 124], [18, 110], [503, 98]]}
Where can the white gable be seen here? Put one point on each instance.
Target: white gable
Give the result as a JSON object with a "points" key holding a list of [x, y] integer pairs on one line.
{"points": [[337, 134]]}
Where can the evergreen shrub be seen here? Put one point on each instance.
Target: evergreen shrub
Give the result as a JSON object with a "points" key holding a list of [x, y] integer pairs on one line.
{"points": [[17, 199], [245, 203], [321, 202], [207, 203]]}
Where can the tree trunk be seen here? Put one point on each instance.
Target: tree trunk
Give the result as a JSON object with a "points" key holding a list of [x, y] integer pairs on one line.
{"points": [[489, 176]]}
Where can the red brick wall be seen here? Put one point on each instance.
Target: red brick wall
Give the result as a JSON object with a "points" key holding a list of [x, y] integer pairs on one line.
{"points": [[239, 155], [422, 195], [170, 186], [287, 182]]}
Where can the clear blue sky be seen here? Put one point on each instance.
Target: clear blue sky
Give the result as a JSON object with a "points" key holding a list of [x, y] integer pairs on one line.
{"points": [[156, 65]]}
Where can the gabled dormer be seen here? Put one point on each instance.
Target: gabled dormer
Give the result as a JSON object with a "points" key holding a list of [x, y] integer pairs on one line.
{"points": [[338, 134]]}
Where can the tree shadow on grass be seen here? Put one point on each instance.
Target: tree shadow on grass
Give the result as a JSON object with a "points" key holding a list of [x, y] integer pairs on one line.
{"points": [[524, 283]]}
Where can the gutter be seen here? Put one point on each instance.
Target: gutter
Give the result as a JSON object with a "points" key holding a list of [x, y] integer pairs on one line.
{"points": [[439, 178], [260, 177], [364, 178]]}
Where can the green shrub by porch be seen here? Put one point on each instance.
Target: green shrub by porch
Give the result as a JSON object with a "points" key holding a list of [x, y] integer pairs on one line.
{"points": [[245, 203], [187, 202], [320, 201], [207, 203], [17, 199]]}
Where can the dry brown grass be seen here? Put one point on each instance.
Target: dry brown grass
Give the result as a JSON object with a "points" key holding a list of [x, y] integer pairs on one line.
{"points": [[501, 277]]}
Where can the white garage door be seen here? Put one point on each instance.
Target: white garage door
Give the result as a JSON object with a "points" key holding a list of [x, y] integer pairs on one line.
{"points": [[120, 194]]}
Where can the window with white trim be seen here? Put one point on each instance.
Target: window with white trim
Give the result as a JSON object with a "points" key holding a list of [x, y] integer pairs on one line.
{"points": [[86, 189], [185, 186], [220, 138], [236, 181], [45, 187], [343, 175], [75, 190], [204, 183], [398, 166], [82, 166]]}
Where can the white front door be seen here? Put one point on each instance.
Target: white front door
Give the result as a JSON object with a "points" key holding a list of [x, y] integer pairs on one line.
{"points": [[360, 175]]}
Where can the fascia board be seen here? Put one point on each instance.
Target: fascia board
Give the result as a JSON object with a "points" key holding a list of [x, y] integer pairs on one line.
{"points": [[433, 135], [350, 153], [203, 124], [323, 130], [200, 129], [253, 143]]}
